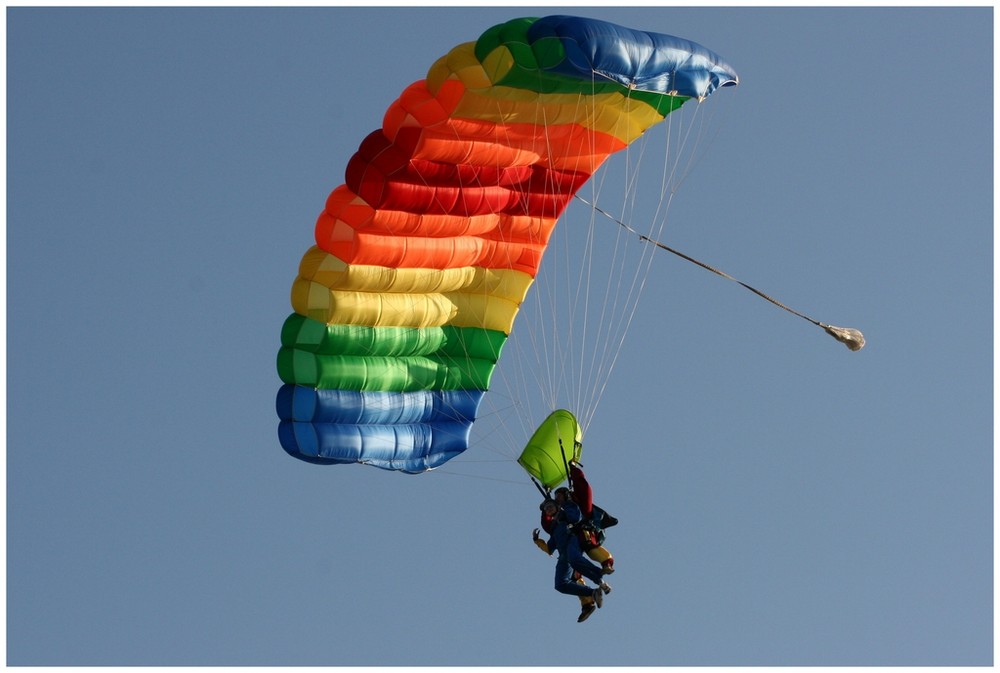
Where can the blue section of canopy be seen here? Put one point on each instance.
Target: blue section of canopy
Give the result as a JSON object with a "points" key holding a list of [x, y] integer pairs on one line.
{"points": [[410, 432], [411, 448], [634, 58]]}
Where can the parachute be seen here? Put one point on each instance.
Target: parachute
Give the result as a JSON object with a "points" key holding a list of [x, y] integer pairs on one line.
{"points": [[426, 252]]}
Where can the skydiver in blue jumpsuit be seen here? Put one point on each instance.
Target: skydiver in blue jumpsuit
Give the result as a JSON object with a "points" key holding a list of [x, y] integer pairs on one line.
{"points": [[565, 540]]}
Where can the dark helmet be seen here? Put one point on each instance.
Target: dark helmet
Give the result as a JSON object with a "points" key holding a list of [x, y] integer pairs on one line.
{"points": [[546, 503]]}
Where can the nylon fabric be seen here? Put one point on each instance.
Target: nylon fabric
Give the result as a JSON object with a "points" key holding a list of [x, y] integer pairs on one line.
{"points": [[425, 253]]}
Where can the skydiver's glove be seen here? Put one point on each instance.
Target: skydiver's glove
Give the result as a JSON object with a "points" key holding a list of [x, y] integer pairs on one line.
{"points": [[540, 542]]}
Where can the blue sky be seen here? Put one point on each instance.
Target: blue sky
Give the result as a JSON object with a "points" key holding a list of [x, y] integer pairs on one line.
{"points": [[783, 501]]}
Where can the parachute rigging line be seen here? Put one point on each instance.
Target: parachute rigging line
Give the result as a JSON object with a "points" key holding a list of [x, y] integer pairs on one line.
{"points": [[848, 336]]}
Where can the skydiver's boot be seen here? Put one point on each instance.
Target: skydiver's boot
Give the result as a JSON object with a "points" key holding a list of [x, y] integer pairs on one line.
{"points": [[586, 612], [605, 588], [608, 566], [598, 596]]}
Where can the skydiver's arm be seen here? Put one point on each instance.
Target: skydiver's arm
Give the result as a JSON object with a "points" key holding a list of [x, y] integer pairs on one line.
{"points": [[542, 544], [582, 494]]}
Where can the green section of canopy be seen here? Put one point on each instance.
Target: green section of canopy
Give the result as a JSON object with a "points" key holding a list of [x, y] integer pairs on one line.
{"points": [[393, 359], [534, 59], [391, 374], [544, 457], [305, 334]]}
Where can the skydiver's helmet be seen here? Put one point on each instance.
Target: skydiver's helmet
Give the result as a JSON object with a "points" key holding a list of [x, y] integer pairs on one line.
{"points": [[562, 494], [549, 506]]}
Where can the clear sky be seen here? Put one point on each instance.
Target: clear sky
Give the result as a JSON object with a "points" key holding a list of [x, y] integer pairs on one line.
{"points": [[783, 501]]}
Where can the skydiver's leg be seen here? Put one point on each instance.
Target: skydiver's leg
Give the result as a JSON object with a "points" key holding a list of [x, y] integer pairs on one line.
{"points": [[565, 582], [604, 557], [587, 604], [584, 600], [579, 562]]}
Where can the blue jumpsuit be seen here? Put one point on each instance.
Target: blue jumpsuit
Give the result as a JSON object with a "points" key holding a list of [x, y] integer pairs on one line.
{"points": [[571, 557]]}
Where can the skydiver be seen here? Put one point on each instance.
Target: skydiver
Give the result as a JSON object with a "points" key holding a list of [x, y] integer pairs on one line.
{"points": [[571, 559], [595, 519], [591, 537], [549, 509]]}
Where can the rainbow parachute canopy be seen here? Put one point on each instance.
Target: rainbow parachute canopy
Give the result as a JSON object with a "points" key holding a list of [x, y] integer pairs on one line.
{"points": [[425, 253]]}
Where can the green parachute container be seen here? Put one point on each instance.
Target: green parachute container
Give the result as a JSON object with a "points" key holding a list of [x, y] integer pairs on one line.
{"points": [[557, 441]]}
